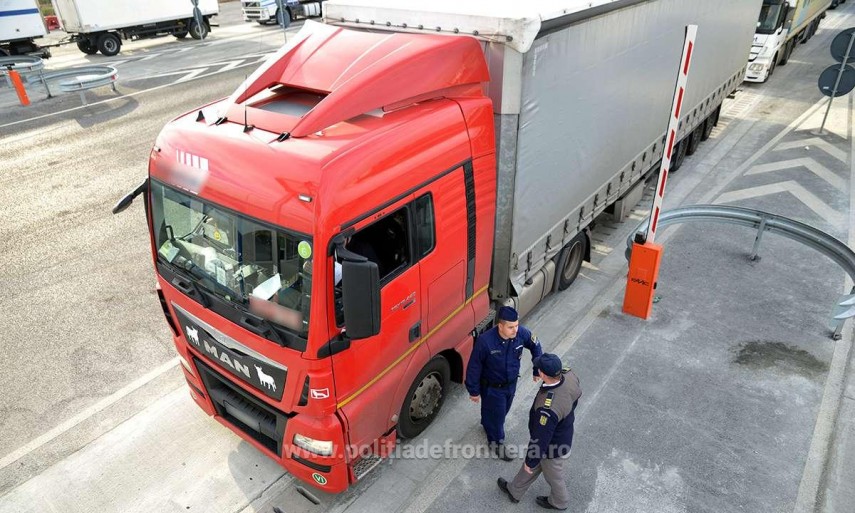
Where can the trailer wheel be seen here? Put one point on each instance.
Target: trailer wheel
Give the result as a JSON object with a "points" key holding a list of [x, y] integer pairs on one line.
{"points": [[424, 398], [198, 30], [180, 35], [679, 155], [109, 44], [695, 139], [570, 261], [86, 46], [710, 123]]}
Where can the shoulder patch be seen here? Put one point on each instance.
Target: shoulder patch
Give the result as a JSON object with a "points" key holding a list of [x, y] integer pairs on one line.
{"points": [[543, 420]]}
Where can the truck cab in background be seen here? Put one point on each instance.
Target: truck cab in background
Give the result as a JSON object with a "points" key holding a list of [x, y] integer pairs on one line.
{"points": [[781, 25], [267, 11]]}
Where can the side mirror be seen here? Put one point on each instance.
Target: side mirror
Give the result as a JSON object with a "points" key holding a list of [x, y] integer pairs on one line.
{"points": [[126, 201], [361, 297]]}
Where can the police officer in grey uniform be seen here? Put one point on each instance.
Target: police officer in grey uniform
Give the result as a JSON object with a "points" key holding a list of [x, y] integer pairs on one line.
{"points": [[550, 425]]}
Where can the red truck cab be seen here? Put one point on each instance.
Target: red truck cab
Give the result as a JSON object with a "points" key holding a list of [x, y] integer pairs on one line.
{"points": [[323, 243]]}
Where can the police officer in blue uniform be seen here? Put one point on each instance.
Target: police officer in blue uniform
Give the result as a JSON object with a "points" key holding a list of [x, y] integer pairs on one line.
{"points": [[491, 377], [550, 425]]}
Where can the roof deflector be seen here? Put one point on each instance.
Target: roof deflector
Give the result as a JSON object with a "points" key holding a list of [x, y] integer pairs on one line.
{"points": [[359, 72]]}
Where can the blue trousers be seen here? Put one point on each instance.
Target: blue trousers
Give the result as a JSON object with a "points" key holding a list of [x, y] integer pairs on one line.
{"points": [[495, 405]]}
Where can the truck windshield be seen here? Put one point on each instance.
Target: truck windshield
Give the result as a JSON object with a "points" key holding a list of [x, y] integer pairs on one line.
{"points": [[769, 16], [250, 265]]}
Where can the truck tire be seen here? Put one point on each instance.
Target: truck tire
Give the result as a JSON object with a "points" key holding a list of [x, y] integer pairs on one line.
{"points": [[695, 139], [109, 44], [180, 35], [198, 30], [86, 46], [785, 57], [570, 260], [283, 20], [679, 155], [424, 398]]}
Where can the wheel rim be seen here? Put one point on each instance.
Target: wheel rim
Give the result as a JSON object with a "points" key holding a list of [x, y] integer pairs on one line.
{"points": [[426, 398], [573, 261], [110, 45]]}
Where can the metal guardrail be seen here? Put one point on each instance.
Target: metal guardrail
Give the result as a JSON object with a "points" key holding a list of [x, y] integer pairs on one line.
{"points": [[79, 79], [761, 221], [21, 64]]}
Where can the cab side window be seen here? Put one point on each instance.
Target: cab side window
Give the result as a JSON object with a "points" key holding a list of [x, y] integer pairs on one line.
{"points": [[386, 243]]}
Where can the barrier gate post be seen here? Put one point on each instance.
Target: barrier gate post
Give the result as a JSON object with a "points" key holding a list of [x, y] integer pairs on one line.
{"points": [[646, 255]]}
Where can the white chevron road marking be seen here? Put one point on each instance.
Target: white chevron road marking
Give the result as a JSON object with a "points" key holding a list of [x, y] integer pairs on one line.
{"points": [[809, 199], [809, 163], [816, 142]]}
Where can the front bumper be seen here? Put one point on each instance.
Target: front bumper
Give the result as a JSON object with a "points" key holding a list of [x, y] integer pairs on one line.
{"points": [[757, 71]]}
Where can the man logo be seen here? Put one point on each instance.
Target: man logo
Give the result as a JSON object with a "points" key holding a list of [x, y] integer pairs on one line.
{"points": [[321, 480]]}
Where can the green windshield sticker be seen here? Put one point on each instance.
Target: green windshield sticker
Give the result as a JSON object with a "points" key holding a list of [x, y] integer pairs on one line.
{"points": [[304, 249]]}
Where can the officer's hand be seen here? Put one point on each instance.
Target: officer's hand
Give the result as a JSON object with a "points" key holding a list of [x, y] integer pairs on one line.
{"points": [[474, 398]]}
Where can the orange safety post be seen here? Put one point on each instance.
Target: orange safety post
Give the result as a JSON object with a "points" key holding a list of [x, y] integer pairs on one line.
{"points": [[19, 87], [641, 280]]}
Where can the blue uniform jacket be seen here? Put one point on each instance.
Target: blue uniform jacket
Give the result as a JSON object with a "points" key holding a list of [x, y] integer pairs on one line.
{"points": [[497, 361]]}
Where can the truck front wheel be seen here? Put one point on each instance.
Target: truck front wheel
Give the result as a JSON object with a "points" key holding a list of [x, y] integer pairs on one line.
{"points": [[109, 44], [198, 30], [283, 19], [424, 398]]}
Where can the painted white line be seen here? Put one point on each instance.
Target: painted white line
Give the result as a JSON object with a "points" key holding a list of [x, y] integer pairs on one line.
{"points": [[808, 163], [85, 414], [817, 143], [794, 188]]}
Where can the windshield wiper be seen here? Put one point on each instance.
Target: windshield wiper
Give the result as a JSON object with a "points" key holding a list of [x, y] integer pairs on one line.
{"points": [[184, 282]]}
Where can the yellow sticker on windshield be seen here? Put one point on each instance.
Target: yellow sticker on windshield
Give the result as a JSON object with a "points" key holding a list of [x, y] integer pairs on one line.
{"points": [[304, 249], [216, 234]]}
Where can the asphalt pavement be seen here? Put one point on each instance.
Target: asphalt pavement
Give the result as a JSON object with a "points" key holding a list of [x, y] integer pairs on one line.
{"points": [[732, 397]]}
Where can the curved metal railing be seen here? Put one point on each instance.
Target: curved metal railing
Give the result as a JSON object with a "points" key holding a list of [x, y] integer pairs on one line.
{"points": [[761, 221], [79, 79]]}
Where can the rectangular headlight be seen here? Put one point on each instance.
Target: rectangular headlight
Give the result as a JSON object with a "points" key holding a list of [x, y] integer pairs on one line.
{"points": [[322, 447], [756, 67]]}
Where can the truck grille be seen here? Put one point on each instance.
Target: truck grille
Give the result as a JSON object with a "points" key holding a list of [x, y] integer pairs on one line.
{"points": [[256, 419]]}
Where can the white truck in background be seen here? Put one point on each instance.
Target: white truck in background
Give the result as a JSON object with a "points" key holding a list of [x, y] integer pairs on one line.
{"points": [[101, 25], [21, 23], [267, 11], [781, 26]]}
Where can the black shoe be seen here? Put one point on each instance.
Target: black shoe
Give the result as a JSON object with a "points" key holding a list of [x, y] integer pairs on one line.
{"points": [[500, 451], [543, 502], [503, 486]]}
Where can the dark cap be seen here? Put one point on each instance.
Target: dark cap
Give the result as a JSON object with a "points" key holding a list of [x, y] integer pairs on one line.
{"points": [[549, 364], [506, 313]]}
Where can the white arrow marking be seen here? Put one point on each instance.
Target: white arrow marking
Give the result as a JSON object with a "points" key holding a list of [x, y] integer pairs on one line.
{"points": [[817, 142], [812, 165], [802, 194]]}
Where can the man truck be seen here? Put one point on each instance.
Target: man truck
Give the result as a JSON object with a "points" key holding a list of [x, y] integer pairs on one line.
{"points": [[267, 11], [781, 26], [102, 25], [329, 239], [21, 23]]}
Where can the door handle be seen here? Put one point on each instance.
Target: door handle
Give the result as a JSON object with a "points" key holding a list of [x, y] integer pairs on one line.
{"points": [[416, 332]]}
